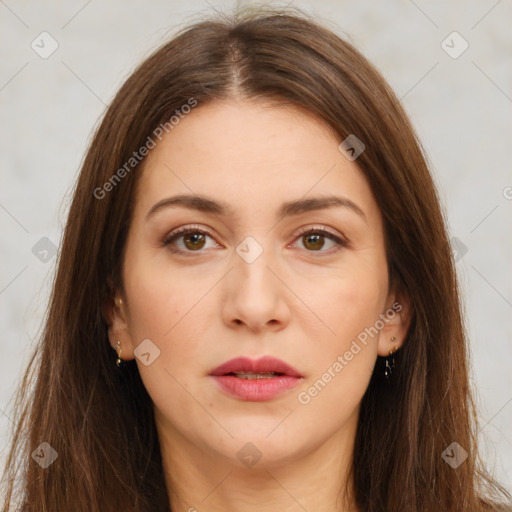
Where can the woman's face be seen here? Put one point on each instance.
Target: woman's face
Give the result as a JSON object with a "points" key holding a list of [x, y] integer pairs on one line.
{"points": [[251, 280]]}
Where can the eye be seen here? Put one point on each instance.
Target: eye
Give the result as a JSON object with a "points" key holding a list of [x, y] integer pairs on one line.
{"points": [[194, 240], [190, 239], [314, 239]]}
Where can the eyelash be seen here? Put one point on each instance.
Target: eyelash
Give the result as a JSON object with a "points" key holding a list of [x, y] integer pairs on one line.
{"points": [[180, 232]]}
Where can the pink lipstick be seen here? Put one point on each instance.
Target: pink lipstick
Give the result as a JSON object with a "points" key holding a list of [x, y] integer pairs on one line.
{"points": [[256, 380]]}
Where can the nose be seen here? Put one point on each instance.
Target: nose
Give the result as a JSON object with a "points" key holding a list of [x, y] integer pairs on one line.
{"points": [[256, 295]]}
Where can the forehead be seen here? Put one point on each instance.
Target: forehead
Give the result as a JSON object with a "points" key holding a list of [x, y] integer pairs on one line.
{"points": [[250, 156]]}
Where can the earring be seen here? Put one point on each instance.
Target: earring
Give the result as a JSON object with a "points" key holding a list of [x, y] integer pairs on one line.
{"points": [[390, 367], [118, 351]]}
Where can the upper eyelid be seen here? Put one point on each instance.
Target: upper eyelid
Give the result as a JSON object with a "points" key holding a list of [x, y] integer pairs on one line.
{"points": [[306, 229], [319, 227], [182, 230]]}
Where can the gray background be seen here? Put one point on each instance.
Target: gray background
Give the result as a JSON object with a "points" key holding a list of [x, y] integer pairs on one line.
{"points": [[461, 108]]}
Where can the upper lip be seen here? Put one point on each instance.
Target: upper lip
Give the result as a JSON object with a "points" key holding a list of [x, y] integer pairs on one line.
{"points": [[262, 365]]}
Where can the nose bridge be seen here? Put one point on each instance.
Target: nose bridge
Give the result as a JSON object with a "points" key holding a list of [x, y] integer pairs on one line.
{"points": [[253, 256], [253, 247], [255, 294]]}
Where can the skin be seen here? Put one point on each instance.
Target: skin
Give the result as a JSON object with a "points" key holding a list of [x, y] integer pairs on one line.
{"points": [[299, 301]]}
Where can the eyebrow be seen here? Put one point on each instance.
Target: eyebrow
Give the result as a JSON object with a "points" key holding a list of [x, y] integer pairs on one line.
{"points": [[290, 208]]}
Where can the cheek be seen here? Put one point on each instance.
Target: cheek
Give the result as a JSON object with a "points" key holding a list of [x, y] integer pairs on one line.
{"points": [[171, 309], [348, 303], [349, 299], [341, 370], [158, 299], [163, 308]]}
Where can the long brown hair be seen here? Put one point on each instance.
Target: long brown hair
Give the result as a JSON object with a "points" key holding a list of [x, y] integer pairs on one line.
{"points": [[99, 419]]}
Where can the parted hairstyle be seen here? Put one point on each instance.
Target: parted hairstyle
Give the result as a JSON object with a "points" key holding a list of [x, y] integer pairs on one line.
{"points": [[100, 420]]}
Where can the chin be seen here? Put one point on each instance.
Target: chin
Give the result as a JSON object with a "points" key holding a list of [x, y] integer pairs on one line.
{"points": [[254, 448]]}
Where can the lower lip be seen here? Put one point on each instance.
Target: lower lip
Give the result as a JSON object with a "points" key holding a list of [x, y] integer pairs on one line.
{"points": [[256, 390]]}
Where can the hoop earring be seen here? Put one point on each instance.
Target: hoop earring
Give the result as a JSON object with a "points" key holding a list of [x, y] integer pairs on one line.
{"points": [[118, 350]]}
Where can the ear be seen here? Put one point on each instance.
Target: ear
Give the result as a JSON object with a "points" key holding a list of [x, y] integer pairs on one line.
{"points": [[397, 320], [115, 314]]}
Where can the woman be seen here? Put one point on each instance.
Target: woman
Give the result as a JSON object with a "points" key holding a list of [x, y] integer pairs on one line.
{"points": [[256, 305]]}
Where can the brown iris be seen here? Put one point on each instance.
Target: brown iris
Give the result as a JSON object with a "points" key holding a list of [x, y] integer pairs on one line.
{"points": [[317, 241], [196, 240]]}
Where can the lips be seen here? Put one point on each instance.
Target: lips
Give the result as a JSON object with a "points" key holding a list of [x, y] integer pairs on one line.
{"points": [[266, 364], [256, 380]]}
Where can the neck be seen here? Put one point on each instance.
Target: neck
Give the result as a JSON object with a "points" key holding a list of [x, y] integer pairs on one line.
{"points": [[199, 479]]}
